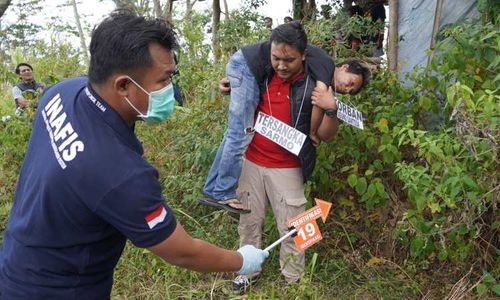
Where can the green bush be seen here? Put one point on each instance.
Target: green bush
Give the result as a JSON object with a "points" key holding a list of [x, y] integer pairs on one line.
{"points": [[438, 180], [333, 34]]}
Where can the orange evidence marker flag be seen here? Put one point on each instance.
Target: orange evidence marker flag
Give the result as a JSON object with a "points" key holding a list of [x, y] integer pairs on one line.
{"points": [[308, 232]]}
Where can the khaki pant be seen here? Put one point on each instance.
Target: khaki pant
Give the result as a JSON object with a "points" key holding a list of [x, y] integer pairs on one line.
{"points": [[283, 188]]}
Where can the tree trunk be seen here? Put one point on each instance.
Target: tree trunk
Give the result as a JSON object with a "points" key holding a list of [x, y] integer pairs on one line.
{"points": [[215, 29], [226, 9], [304, 9], [83, 44], [311, 10], [169, 9], [297, 9], [157, 9], [4, 4], [347, 5], [189, 9], [125, 4], [392, 51]]}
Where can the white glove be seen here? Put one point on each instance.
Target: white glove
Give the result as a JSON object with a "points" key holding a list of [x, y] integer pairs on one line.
{"points": [[252, 259]]}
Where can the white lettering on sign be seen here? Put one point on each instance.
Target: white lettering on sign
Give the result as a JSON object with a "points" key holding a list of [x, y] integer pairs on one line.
{"points": [[281, 133], [304, 219], [350, 115], [308, 243], [63, 138]]}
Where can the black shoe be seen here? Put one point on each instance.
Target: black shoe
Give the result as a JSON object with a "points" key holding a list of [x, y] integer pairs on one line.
{"points": [[242, 282]]}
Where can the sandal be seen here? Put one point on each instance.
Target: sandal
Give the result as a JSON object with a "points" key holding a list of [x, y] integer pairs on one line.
{"points": [[230, 205]]}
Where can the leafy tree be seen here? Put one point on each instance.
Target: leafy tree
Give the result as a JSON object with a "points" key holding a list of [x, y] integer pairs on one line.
{"points": [[240, 28], [254, 4], [23, 33], [489, 9]]}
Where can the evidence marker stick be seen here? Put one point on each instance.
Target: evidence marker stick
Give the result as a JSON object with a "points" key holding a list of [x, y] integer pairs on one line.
{"points": [[281, 239]]}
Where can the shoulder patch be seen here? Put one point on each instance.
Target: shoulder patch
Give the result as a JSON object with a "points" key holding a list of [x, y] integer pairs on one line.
{"points": [[156, 217]]}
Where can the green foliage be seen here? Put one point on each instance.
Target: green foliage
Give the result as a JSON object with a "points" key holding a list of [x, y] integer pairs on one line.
{"points": [[14, 135], [440, 183], [242, 27], [51, 63], [335, 34], [490, 9], [23, 33], [195, 60], [254, 4]]}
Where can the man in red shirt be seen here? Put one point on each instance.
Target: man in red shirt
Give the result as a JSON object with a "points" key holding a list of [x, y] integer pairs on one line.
{"points": [[275, 159]]}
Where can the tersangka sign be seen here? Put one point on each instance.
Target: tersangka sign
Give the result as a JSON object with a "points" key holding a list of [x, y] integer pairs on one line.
{"points": [[281, 133]]}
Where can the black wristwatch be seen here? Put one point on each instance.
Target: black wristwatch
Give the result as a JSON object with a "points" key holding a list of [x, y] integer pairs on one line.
{"points": [[331, 113]]}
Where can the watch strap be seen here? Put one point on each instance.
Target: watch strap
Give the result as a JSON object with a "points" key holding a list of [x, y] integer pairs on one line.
{"points": [[331, 112]]}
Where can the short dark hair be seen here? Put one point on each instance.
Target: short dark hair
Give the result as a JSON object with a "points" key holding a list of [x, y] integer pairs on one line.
{"points": [[292, 34], [121, 43], [22, 64], [355, 67]]}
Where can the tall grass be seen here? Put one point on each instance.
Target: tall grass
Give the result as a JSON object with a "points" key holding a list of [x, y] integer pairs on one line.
{"points": [[371, 247]]}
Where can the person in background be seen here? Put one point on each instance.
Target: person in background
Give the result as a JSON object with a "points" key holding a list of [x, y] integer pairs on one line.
{"points": [[326, 11], [27, 89], [377, 14], [177, 89], [355, 11], [84, 187], [178, 94], [268, 23]]}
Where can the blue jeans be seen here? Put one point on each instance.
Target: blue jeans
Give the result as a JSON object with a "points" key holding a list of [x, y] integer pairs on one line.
{"points": [[244, 98]]}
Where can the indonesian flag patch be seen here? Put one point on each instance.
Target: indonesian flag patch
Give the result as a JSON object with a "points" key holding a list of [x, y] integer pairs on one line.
{"points": [[155, 217]]}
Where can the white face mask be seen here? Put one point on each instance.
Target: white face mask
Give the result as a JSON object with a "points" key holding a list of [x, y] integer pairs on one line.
{"points": [[160, 104]]}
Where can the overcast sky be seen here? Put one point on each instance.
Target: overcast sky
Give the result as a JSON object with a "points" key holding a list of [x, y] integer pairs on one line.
{"points": [[93, 11]]}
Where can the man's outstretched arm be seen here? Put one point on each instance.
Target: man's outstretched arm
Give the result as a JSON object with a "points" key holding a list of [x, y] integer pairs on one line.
{"points": [[182, 250]]}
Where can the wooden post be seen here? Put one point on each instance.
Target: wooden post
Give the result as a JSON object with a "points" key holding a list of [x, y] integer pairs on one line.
{"points": [[215, 29], [435, 28], [392, 51]]}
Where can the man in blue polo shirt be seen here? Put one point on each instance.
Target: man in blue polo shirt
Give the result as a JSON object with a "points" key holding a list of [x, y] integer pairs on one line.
{"points": [[84, 187]]}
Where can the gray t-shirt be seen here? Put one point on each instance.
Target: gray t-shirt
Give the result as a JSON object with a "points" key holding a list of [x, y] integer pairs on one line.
{"points": [[16, 92]]}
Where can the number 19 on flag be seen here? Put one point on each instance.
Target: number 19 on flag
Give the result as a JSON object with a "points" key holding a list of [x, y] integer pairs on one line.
{"points": [[304, 228], [308, 234]]}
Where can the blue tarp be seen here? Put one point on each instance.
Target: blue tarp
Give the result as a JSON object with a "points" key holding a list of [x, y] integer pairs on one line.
{"points": [[416, 18]]}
